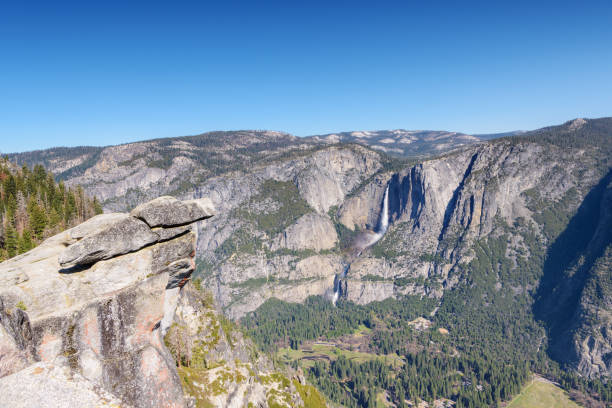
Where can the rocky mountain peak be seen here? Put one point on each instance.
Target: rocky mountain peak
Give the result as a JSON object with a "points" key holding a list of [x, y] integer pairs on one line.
{"points": [[577, 124]]}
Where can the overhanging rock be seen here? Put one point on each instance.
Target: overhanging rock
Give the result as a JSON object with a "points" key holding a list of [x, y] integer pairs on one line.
{"points": [[84, 312]]}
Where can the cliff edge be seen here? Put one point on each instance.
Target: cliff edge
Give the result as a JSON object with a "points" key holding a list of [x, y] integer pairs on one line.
{"points": [[82, 315], [103, 315]]}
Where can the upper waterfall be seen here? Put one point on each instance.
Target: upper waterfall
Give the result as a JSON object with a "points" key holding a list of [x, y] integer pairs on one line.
{"points": [[370, 239], [383, 222]]}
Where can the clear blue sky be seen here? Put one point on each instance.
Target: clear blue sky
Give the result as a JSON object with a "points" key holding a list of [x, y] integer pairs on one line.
{"points": [[105, 72]]}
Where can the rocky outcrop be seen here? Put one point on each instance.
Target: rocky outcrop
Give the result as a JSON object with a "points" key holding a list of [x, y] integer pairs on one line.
{"points": [[128, 233], [82, 315], [359, 211], [170, 212], [219, 366], [311, 231], [51, 386], [120, 237]]}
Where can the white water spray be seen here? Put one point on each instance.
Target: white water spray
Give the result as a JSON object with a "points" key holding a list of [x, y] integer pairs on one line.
{"points": [[381, 229], [337, 281]]}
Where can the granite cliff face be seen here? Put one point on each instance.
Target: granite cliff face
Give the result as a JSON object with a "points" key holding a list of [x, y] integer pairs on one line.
{"points": [[294, 212], [443, 207], [83, 318], [277, 235], [438, 211], [575, 296]]}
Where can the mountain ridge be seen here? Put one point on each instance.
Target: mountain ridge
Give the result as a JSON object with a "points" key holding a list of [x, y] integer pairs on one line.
{"points": [[350, 136]]}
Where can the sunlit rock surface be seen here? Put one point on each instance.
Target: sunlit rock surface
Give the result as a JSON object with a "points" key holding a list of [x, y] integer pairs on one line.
{"points": [[82, 315]]}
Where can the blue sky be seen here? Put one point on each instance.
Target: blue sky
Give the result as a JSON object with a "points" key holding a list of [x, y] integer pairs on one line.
{"points": [[99, 73]]}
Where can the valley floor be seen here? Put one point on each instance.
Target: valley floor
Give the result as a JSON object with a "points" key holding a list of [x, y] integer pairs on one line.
{"points": [[354, 347], [541, 393]]}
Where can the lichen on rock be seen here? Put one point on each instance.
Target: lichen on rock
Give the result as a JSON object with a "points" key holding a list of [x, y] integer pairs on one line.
{"points": [[218, 366]]}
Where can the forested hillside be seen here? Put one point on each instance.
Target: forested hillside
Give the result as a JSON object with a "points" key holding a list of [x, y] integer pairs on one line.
{"points": [[529, 295], [33, 207]]}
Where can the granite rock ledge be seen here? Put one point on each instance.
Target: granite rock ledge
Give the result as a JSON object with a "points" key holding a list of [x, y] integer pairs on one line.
{"points": [[83, 314]]}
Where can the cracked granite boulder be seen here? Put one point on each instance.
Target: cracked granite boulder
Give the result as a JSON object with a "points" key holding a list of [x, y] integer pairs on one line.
{"points": [[82, 315], [169, 212], [125, 235]]}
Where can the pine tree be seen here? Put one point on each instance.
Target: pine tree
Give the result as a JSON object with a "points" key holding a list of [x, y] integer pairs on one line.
{"points": [[25, 242], [11, 241], [54, 218], [11, 209], [38, 218], [69, 206], [10, 186], [33, 206], [97, 206]]}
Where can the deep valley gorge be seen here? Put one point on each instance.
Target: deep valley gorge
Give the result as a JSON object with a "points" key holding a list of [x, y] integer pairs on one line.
{"points": [[351, 269]]}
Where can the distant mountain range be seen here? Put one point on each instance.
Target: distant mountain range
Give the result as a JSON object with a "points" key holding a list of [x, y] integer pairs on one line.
{"points": [[120, 175], [409, 143], [398, 142]]}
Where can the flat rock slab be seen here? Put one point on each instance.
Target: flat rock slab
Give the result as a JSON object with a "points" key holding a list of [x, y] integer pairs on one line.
{"points": [[125, 235], [166, 234], [96, 223], [47, 386], [167, 211]]}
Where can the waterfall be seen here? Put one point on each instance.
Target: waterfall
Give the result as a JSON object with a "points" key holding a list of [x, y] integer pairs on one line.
{"points": [[335, 298], [337, 282], [381, 227], [383, 222], [379, 232]]}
